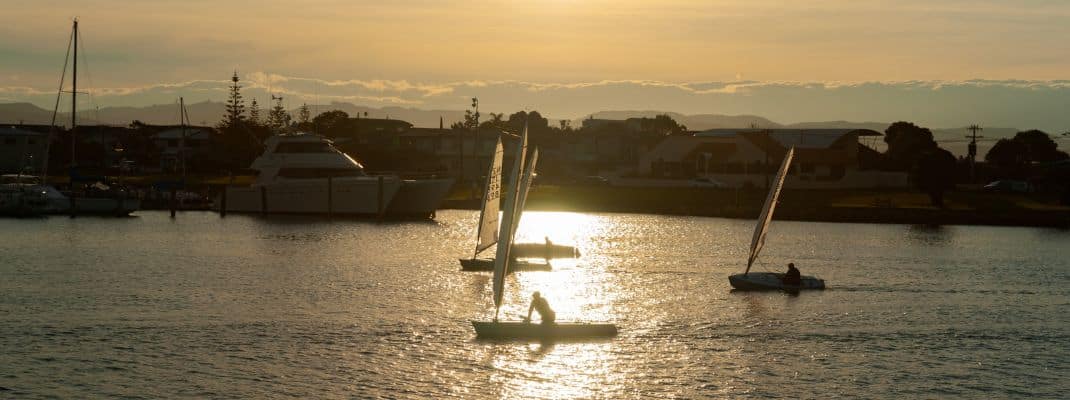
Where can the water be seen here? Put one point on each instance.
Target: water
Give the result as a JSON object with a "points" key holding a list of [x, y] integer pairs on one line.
{"points": [[247, 307]]}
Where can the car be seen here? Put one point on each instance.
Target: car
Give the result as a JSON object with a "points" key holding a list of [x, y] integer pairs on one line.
{"points": [[1009, 186], [703, 182]]}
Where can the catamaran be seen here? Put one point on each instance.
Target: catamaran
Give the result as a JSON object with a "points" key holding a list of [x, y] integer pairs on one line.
{"points": [[487, 230], [515, 195], [770, 280]]}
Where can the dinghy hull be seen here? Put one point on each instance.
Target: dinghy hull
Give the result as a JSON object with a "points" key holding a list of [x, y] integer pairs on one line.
{"points": [[772, 281], [555, 331], [487, 265], [538, 250]]}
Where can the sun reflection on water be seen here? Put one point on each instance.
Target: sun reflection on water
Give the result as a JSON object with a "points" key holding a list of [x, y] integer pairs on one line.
{"points": [[578, 290]]}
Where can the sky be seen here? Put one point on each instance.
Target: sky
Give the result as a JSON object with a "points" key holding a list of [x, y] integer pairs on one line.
{"points": [[946, 62]]}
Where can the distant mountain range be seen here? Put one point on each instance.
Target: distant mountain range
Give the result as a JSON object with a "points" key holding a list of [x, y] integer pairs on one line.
{"points": [[209, 113]]}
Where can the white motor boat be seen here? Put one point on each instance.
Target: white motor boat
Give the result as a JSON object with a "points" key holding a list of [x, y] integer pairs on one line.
{"points": [[21, 200], [305, 174]]}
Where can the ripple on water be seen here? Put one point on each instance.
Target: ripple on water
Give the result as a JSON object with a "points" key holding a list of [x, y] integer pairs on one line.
{"points": [[246, 307]]}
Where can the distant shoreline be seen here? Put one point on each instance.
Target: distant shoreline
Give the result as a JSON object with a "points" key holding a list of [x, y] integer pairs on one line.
{"points": [[863, 206]]}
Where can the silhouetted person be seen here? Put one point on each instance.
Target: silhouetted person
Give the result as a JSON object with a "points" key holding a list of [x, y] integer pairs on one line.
{"points": [[538, 303], [792, 277], [549, 249]]}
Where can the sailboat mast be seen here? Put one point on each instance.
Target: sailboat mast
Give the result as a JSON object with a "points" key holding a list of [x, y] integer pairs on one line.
{"points": [[182, 143], [74, 90]]}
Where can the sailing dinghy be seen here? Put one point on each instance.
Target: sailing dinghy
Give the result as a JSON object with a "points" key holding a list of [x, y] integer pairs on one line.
{"points": [[770, 280], [515, 195], [487, 230]]}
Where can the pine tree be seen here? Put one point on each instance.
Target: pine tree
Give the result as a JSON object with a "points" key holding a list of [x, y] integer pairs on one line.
{"points": [[304, 115], [278, 118], [254, 112], [235, 105]]}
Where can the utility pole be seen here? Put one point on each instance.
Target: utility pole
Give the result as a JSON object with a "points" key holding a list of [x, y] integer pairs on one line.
{"points": [[972, 153]]}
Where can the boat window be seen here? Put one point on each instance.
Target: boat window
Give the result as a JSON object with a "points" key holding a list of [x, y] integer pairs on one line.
{"points": [[311, 173], [309, 147]]}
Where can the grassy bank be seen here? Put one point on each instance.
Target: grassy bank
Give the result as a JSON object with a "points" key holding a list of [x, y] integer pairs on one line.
{"points": [[866, 206]]}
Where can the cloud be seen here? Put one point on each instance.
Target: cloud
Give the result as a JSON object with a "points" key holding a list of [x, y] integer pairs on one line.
{"points": [[938, 103]]}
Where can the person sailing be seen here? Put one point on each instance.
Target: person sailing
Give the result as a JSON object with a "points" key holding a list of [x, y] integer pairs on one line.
{"points": [[539, 303], [793, 277]]}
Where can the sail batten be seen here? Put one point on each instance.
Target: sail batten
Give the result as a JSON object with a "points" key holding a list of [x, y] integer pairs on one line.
{"points": [[767, 209], [487, 234]]}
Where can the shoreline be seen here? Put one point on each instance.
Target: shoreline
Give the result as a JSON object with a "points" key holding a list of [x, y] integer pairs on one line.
{"points": [[871, 207]]}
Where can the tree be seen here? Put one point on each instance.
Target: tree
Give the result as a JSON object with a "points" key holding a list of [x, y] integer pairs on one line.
{"points": [[303, 114], [566, 125], [254, 113], [1006, 154], [934, 173], [906, 144], [1024, 149], [330, 122], [278, 118], [235, 106]]}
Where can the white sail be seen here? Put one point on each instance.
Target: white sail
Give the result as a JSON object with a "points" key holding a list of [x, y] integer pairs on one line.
{"points": [[525, 184], [487, 234], [505, 242], [767, 209]]}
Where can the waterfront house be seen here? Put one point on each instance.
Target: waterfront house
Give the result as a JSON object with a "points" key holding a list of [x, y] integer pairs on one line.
{"points": [[22, 148], [824, 158]]}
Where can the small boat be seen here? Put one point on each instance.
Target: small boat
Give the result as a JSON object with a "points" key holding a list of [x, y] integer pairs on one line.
{"points": [[538, 250], [487, 265], [770, 280], [21, 200], [487, 231], [513, 206], [528, 330]]}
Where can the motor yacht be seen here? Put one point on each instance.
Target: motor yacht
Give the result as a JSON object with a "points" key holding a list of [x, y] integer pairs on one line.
{"points": [[305, 174]]}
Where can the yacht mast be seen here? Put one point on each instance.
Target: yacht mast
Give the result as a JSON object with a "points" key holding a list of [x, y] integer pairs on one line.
{"points": [[74, 91]]}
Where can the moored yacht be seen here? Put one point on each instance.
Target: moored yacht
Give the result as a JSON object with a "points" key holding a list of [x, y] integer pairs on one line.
{"points": [[305, 174], [20, 200]]}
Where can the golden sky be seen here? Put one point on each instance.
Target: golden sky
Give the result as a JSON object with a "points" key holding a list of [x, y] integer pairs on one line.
{"points": [[134, 44]]}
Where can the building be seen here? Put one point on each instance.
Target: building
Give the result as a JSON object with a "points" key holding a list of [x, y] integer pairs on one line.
{"points": [[824, 158], [22, 149], [178, 147]]}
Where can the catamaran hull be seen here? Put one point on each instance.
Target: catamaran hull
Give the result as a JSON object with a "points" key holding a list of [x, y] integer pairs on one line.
{"points": [[538, 250], [556, 331], [487, 265], [772, 281]]}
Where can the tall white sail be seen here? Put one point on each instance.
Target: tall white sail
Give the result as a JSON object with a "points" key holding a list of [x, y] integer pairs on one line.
{"points": [[767, 209], [487, 233], [512, 194], [525, 184]]}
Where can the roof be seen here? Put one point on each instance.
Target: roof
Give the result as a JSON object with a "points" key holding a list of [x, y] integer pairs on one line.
{"points": [[800, 138], [678, 147], [176, 133]]}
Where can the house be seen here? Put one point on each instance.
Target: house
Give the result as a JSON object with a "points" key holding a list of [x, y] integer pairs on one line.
{"points": [[179, 146], [22, 148], [824, 158]]}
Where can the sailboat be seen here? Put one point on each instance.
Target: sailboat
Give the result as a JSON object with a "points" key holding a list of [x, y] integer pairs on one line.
{"points": [[515, 195], [487, 230], [94, 198], [770, 280]]}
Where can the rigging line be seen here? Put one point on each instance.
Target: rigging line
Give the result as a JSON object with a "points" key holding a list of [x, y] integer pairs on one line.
{"points": [[88, 76], [55, 110]]}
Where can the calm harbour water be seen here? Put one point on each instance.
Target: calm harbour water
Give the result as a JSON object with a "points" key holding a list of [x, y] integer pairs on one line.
{"points": [[247, 307]]}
